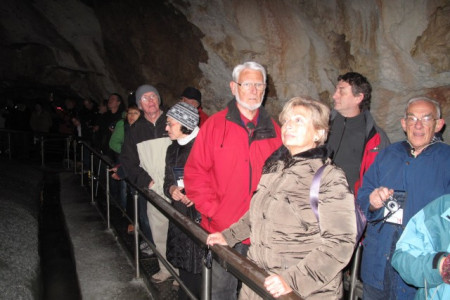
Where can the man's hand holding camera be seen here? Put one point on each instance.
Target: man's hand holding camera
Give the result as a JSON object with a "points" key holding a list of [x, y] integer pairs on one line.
{"points": [[379, 196]]}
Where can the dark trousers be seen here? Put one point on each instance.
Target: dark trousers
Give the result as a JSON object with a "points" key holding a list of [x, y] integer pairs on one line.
{"points": [[394, 288], [224, 284], [193, 282], [144, 223]]}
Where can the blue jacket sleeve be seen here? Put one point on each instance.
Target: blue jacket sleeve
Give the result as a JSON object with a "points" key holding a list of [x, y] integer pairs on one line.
{"points": [[371, 181], [413, 256]]}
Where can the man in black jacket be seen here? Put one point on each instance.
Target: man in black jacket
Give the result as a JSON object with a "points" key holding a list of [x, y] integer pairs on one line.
{"points": [[143, 157]]}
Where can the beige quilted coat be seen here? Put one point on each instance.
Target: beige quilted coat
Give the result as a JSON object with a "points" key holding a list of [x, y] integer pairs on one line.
{"points": [[286, 238]]}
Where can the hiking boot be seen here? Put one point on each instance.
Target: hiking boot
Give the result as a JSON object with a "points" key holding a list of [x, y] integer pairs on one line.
{"points": [[160, 277], [145, 249]]}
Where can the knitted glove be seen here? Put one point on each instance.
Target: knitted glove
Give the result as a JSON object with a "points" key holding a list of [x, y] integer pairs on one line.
{"points": [[446, 270]]}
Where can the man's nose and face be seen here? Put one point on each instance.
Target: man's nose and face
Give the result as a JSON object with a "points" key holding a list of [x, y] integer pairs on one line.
{"points": [[345, 102], [421, 123], [191, 102], [113, 102], [173, 128], [246, 90], [150, 103]]}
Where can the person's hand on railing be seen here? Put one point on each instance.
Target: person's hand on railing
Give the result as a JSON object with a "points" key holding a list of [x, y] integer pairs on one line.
{"points": [[177, 194], [114, 174], [151, 184], [185, 200], [216, 238], [276, 286]]}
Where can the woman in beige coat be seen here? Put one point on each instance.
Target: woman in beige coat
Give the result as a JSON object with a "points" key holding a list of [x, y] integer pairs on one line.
{"points": [[287, 240]]}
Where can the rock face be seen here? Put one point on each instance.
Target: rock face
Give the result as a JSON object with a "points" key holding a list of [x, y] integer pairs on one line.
{"points": [[20, 269], [92, 48]]}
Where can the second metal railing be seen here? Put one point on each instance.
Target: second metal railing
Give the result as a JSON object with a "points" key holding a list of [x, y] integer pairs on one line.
{"points": [[242, 268]]}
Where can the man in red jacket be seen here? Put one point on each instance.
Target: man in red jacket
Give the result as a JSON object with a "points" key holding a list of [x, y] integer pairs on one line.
{"points": [[193, 97], [225, 164], [354, 139]]}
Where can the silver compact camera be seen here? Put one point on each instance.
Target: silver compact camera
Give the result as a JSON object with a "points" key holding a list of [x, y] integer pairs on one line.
{"points": [[392, 205]]}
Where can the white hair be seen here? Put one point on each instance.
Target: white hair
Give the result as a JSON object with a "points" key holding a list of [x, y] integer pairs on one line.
{"points": [[435, 103], [248, 65]]}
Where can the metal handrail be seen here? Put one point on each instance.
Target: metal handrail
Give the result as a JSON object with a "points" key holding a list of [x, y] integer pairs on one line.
{"points": [[231, 260], [247, 271], [42, 137]]}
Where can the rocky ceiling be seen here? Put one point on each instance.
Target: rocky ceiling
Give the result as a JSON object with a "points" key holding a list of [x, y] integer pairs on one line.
{"points": [[90, 48]]}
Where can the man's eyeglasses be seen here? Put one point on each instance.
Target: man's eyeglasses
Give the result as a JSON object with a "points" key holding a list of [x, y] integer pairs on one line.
{"points": [[426, 120], [149, 97], [247, 86]]}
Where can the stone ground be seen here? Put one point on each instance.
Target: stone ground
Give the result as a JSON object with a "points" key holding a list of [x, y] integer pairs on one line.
{"points": [[55, 244], [97, 231]]}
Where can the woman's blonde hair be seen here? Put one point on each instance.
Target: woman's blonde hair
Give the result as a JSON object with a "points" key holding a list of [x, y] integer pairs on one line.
{"points": [[320, 114]]}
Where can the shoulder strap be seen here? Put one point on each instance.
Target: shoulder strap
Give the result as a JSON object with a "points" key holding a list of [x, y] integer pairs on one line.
{"points": [[314, 191]]}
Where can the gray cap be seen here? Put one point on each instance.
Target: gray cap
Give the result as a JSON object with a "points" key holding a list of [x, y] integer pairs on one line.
{"points": [[184, 113], [146, 88]]}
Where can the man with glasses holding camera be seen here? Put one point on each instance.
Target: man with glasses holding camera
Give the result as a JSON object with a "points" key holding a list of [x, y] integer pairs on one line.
{"points": [[225, 164], [404, 178]]}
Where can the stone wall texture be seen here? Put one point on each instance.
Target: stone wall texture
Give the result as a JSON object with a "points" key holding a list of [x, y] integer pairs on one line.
{"points": [[91, 48]]}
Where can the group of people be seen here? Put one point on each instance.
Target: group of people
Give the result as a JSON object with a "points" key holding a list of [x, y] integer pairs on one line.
{"points": [[248, 182]]}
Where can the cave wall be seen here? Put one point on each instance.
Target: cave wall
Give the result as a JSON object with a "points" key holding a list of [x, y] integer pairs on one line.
{"points": [[402, 47], [91, 48], [94, 48]]}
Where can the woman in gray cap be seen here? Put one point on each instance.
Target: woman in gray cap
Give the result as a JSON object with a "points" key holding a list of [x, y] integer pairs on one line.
{"points": [[182, 252]]}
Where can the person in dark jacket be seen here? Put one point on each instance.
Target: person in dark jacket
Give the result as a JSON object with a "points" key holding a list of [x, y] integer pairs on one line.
{"points": [[182, 252], [354, 139], [115, 143], [116, 107], [142, 157], [193, 97]]}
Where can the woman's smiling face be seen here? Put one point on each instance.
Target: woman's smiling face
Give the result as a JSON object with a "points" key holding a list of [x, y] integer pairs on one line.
{"points": [[297, 132]]}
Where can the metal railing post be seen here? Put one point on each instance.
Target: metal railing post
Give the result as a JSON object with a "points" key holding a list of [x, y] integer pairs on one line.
{"points": [[107, 199], [98, 175], [42, 151], [92, 177], [235, 263], [355, 268], [75, 156], [9, 145], [68, 152], [136, 233], [82, 163], [206, 280]]}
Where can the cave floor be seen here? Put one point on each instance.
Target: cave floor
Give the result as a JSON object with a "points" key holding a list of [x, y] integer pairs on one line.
{"points": [[80, 256]]}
